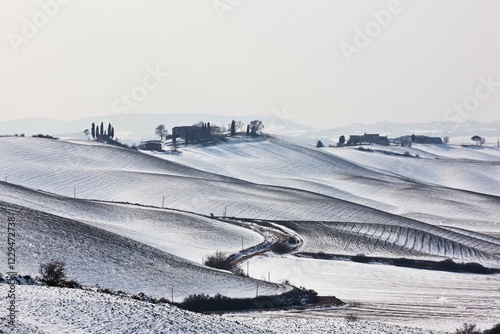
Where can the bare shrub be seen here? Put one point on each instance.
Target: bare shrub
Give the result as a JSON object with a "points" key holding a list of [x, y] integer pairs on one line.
{"points": [[468, 329], [351, 317], [53, 273], [217, 260]]}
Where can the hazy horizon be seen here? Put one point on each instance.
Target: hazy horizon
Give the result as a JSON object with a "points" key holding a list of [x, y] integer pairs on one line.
{"points": [[322, 64]]}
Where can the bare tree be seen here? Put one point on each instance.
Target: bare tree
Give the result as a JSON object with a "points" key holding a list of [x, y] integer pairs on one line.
{"points": [[482, 141], [161, 131], [53, 273], [238, 125], [256, 127], [446, 139], [87, 133], [468, 329], [217, 260]]}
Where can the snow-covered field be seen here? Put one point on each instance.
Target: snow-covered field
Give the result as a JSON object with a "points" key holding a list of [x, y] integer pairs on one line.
{"points": [[424, 298], [186, 235], [59, 311], [98, 257], [44, 310], [140, 222]]}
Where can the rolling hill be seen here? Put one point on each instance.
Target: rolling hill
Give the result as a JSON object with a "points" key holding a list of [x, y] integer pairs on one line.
{"points": [[142, 221]]}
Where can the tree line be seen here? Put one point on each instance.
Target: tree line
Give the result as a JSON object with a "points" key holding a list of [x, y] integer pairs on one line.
{"points": [[99, 132], [206, 131]]}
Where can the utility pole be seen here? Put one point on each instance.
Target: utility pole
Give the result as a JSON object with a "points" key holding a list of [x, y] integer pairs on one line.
{"points": [[242, 243], [74, 192], [257, 292], [225, 211], [172, 294], [248, 268], [163, 202], [269, 276]]}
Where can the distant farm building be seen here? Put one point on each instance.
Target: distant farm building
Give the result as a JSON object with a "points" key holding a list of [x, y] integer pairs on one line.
{"points": [[413, 139], [151, 145], [196, 133], [426, 140], [193, 131], [368, 138]]}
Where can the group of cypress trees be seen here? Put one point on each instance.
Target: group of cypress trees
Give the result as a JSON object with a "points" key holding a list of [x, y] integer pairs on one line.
{"points": [[100, 133]]}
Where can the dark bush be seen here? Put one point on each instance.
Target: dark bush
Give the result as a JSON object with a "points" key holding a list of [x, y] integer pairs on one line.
{"points": [[494, 330], [217, 260], [44, 136], [468, 329], [53, 273], [205, 303]]}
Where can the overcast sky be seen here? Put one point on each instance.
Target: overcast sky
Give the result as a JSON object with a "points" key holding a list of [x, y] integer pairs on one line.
{"points": [[318, 62]]}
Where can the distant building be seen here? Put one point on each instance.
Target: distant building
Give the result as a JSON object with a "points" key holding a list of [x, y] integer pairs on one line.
{"points": [[193, 131], [151, 145], [370, 138], [426, 140]]}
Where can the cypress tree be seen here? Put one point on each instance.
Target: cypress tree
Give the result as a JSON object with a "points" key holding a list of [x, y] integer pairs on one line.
{"points": [[93, 130], [208, 130], [233, 128], [102, 129], [248, 130], [97, 132]]}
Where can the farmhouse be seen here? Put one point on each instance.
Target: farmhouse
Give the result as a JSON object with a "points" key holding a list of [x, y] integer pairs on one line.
{"points": [[426, 140], [368, 138], [151, 145], [192, 131]]}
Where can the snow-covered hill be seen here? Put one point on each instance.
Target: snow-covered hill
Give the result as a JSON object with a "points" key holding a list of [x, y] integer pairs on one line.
{"points": [[283, 181], [140, 221], [44, 310], [98, 257], [186, 235]]}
